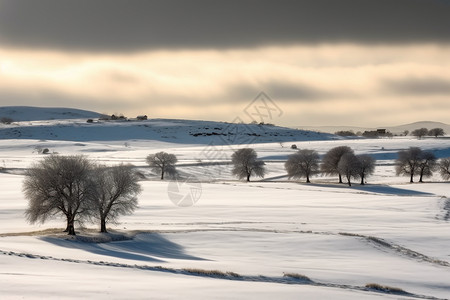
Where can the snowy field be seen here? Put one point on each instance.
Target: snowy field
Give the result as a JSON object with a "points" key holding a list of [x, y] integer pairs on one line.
{"points": [[387, 232]]}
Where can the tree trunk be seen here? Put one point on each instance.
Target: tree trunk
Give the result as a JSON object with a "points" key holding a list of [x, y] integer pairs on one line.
{"points": [[421, 176], [412, 177], [248, 177], [103, 226], [362, 179], [67, 226], [307, 178], [162, 174], [71, 228], [349, 178], [340, 178]]}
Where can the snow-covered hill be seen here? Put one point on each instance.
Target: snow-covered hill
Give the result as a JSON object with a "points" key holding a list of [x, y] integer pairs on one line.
{"points": [[76, 128], [30, 113], [416, 125]]}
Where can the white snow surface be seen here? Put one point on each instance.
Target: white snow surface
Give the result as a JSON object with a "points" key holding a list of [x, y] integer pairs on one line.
{"points": [[387, 232]]}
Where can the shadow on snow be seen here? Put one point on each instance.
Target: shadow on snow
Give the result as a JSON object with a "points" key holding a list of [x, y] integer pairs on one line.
{"points": [[149, 247], [377, 189]]}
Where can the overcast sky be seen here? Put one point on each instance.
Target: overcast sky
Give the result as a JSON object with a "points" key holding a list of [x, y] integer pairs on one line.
{"points": [[322, 62]]}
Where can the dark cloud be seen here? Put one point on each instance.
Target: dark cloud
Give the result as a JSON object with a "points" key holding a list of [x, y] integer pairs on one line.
{"points": [[134, 25], [279, 91], [285, 91], [417, 86], [297, 92]]}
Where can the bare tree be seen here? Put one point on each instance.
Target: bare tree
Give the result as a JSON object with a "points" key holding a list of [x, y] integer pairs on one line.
{"points": [[116, 193], [59, 185], [366, 166], [436, 132], [331, 160], [408, 162], [349, 166], [420, 133], [444, 168], [163, 163], [304, 163], [246, 164], [427, 165]]}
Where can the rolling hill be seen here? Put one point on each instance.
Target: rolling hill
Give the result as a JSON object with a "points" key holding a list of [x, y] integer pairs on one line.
{"points": [[30, 113], [71, 124]]}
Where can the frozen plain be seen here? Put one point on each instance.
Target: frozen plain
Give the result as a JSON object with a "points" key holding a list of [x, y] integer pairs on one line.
{"points": [[387, 232]]}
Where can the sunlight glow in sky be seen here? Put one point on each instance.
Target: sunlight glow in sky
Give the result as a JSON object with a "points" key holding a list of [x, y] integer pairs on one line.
{"points": [[356, 82]]}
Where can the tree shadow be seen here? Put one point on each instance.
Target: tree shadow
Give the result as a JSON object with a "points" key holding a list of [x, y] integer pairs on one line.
{"points": [[149, 247], [376, 189], [389, 190]]}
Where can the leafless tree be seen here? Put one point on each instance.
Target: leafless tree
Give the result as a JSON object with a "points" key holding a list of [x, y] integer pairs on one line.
{"points": [[349, 166], [331, 160], [420, 133], [162, 163], [436, 132], [304, 163], [116, 193], [366, 166], [444, 168], [427, 164], [59, 185], [408, 162], [246, 164]]}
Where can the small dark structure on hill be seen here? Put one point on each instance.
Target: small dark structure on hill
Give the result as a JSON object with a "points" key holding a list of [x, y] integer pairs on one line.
{"points": [[120, 117], [142, 118], [377, 133]]}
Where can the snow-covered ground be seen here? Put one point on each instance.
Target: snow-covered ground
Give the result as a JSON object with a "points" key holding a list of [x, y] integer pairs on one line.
{"points": [[388, 232]]}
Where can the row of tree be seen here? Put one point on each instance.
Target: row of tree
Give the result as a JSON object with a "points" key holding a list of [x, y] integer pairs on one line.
{"points": [[340, 161], [419, 133], [343, 162]]}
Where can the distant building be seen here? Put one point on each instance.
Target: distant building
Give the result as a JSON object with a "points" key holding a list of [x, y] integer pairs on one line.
{"points": [[381, 131], [121, 117], [142, 118]]}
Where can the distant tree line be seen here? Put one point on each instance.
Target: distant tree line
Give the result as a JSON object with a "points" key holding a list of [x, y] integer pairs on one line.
{"points": [[367, 134], [419, 133], [342, 162]]}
